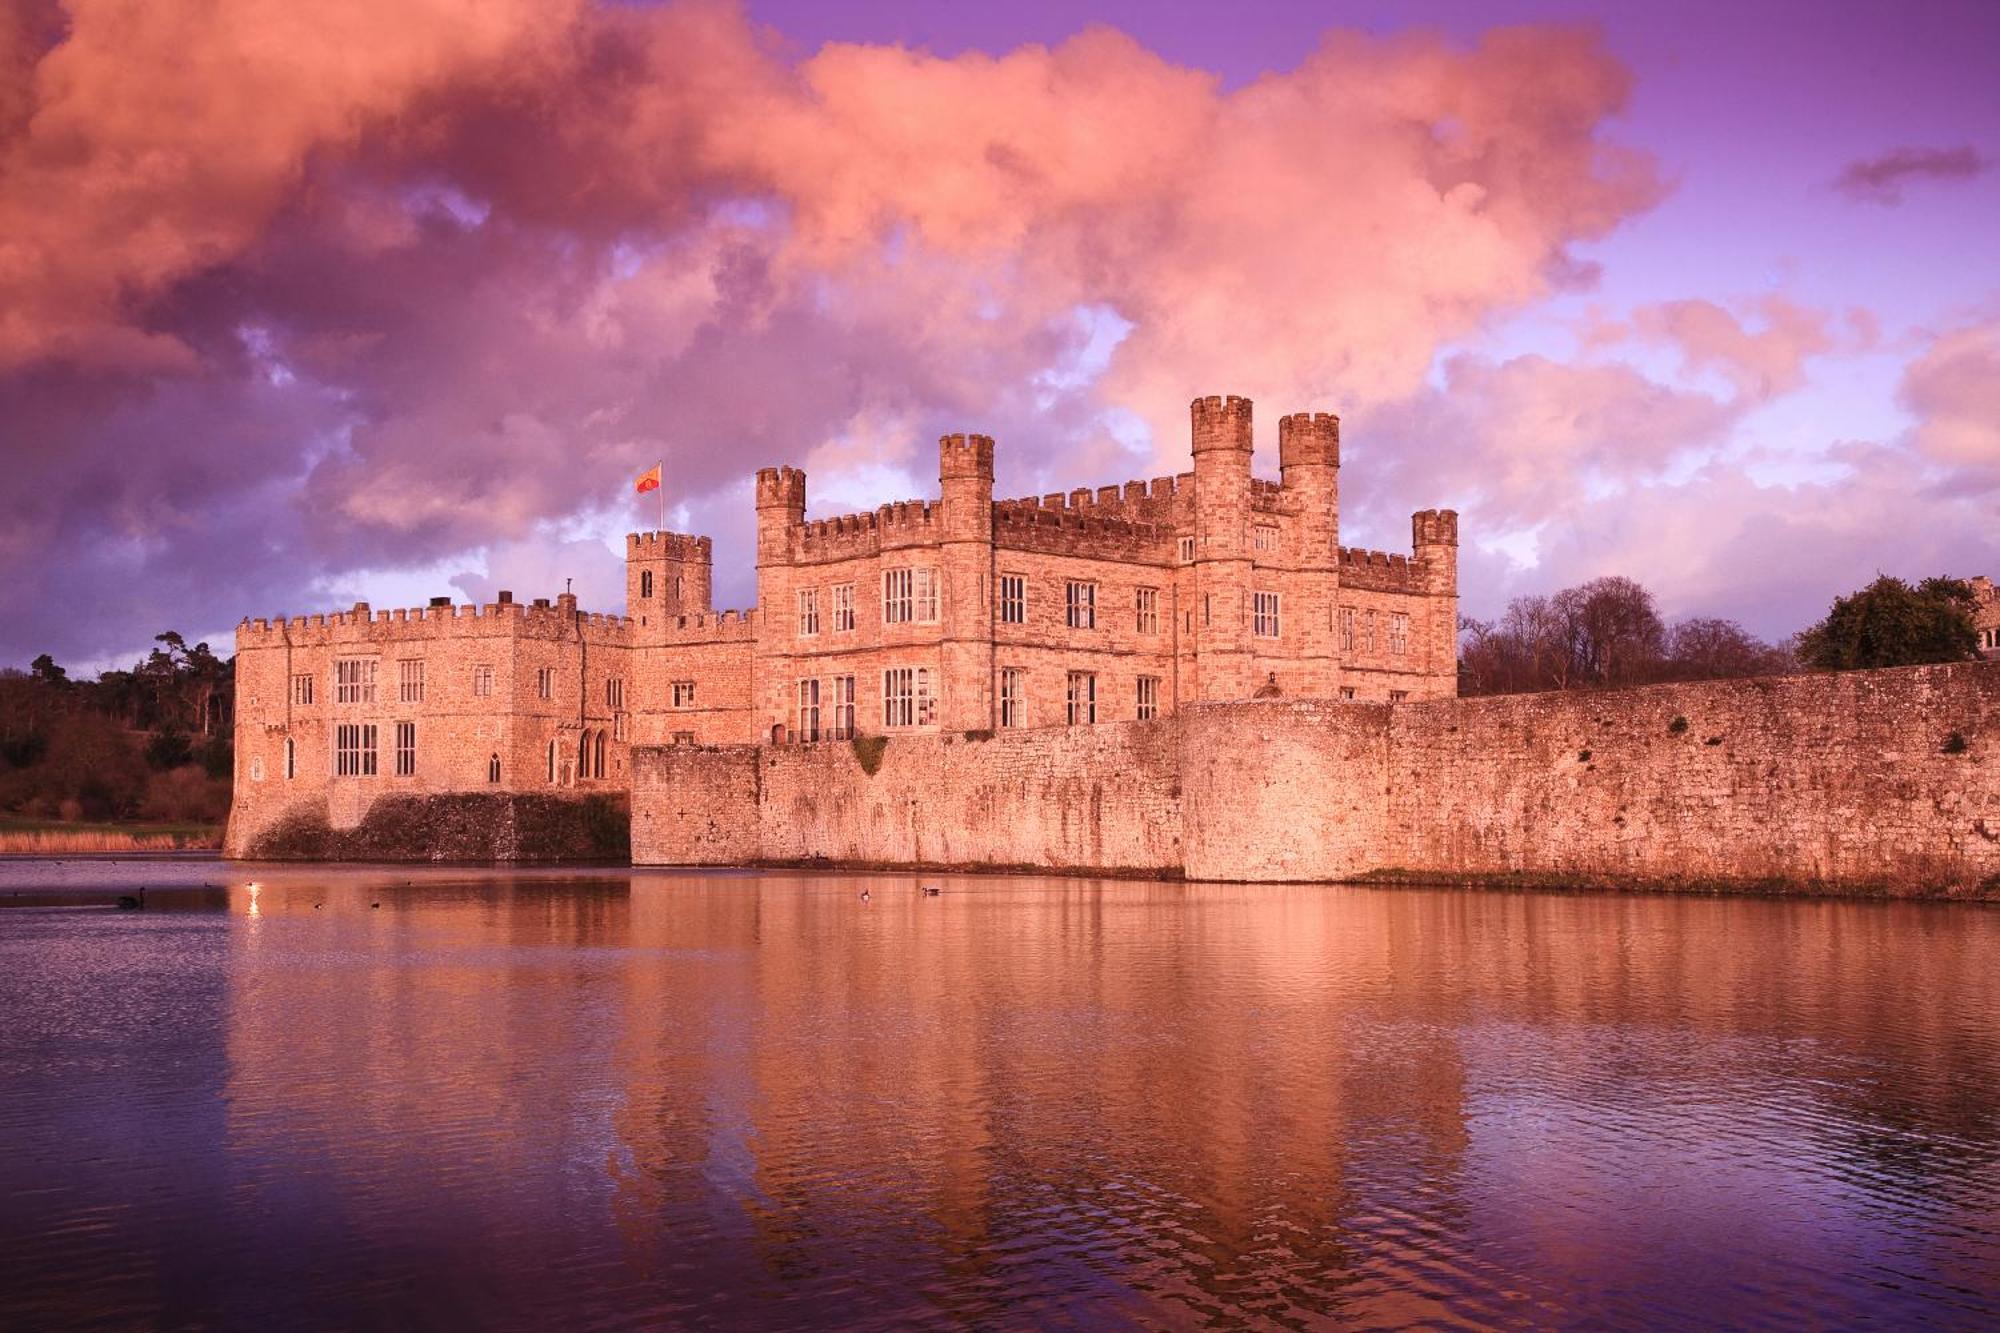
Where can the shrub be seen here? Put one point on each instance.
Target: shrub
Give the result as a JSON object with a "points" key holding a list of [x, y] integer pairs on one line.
{"points": [[1678, 725], [982, 734], [1583, 756], [868, 752], [1955, 743]]}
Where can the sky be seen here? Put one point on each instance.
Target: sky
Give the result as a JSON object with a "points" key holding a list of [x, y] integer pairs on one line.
{"points": [[305, 302]]}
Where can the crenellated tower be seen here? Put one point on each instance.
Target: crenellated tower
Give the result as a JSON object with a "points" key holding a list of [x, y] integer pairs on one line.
{"points": [[965, 481], [1434, 546], [1309, 468], [1222, 450], [667, 575]]}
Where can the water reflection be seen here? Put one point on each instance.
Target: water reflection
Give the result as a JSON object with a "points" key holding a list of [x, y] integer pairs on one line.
{"points": [[528, 1100]]}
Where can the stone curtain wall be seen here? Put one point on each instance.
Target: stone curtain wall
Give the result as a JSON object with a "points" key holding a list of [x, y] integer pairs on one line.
{"points": [[1876, 781], [1100, 799]]}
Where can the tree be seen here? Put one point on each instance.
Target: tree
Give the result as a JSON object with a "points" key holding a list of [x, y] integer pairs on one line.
{"points": [[1614, 632], [1709, 649], [1889, 623]]}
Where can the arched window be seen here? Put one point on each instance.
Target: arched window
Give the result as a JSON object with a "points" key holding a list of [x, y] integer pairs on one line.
{"points": [[583, 756], [493, 769], [646, 583], [597, 759], [291, 759], [552, 761]]}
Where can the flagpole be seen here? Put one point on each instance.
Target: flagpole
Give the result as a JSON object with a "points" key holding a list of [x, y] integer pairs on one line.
{"points": [[662, 465]]}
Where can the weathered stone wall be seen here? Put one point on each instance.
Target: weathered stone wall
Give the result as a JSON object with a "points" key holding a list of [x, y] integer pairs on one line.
{"points": [[1883, 781], [464, 826], [1104, 799]]}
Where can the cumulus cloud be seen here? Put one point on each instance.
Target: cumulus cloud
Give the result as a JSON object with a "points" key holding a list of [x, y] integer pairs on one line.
{"points": [[1881, 180], [288, 290]]}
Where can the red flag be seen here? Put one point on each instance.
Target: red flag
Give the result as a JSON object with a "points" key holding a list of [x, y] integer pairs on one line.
{"points": [[649, 480]]}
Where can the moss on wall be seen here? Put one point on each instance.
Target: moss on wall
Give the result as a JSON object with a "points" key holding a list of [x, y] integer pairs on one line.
{"points": [[470, 826]]}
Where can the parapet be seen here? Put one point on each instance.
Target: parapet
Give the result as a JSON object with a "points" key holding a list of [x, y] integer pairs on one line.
{"points": [[904, 523], [1221, 423], [1378, 571], [669, 546], [781, 488], [1433, 527], [1159, 501], [423, 623], [965, 457], [708, 627], [1309, 439]]}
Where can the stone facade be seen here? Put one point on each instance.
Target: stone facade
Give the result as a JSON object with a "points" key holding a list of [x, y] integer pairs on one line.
{"points": [[1874, 781], [1986, 615], [963, 614]]}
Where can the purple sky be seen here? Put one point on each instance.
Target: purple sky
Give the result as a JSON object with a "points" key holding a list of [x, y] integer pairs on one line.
{"points": [[382, 299]]}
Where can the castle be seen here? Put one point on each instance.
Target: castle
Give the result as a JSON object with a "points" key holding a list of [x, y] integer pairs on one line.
{"points": [[962, 614]]}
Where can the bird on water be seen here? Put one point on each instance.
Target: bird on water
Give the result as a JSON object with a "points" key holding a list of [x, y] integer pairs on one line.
{"points": [[864, 895], [127, 903], [931, 891]]}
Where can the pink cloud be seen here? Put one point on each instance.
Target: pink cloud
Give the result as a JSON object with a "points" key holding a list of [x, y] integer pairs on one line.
{"points": [[1953, 387]]}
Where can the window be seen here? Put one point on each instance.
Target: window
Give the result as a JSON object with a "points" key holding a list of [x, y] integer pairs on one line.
{"points": [[684, 738], [1148, 604], [843, 708], [1264, 537], [596, 761], [1080, 602], [354, 680], [1149, 697], [1207, 609], [906, 697], [1187, 550], [1397, 696], [808, 723], [645, 592], [1347, 691], [354, 750], [1347, 631], [302, 691], [291, 757], [1265, 620], [482, 681], [1013, 697], [1082, 698], [545, 682], [1013, 599], [493, 768], [808, 612], [406, 749], [553, 752], [1368, 633], [909, 596], [1399, 634], [410, 681], [618, 727], [843, 607], [257, 768], [614, 693], [684, 694], [583, 756]]}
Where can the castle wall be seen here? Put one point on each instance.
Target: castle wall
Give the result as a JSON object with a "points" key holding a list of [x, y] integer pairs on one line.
{"points": [[1883, 781], [1100, 799]]}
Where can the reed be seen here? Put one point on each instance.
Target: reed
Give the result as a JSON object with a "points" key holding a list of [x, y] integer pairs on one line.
{"points": [[48, 842]]}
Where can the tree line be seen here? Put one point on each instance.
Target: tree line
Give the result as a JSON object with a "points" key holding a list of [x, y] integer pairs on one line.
{"points": [[153, 742], [1608, 633]]}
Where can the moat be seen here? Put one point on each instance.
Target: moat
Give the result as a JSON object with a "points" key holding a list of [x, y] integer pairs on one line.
{"points": [[636, 1099]]}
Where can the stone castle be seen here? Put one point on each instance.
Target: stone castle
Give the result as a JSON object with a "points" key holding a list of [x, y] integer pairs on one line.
{"points": [[961, 615]]}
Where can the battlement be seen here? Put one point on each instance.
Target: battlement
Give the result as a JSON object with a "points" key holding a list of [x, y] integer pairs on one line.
{"points": [[1161, 501], [1378, 571], [709, 627], [903, 523], [438, 620], [669, 546], [965, 457], [1221, 423], [1079, 532], [781, 488], [1308, 439], [1434, 527]]}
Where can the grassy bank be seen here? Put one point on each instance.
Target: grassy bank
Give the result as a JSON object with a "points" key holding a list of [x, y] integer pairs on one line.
{"points": [[47, 837]]}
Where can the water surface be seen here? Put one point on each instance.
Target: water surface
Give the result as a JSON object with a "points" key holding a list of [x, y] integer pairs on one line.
{"points": [[639, 1099]]}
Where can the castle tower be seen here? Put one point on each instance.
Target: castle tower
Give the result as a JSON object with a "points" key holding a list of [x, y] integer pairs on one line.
{"points": [[965, 481], [1222, 448], [1434, 543], [1309, 464], [667, 575]]}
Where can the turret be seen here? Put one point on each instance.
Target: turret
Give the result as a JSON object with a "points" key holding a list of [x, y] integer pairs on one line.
{"points": [[781, 510], [965, 480], [667, 575], [1222, 448], [1309, 463], [1434, 542]]}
